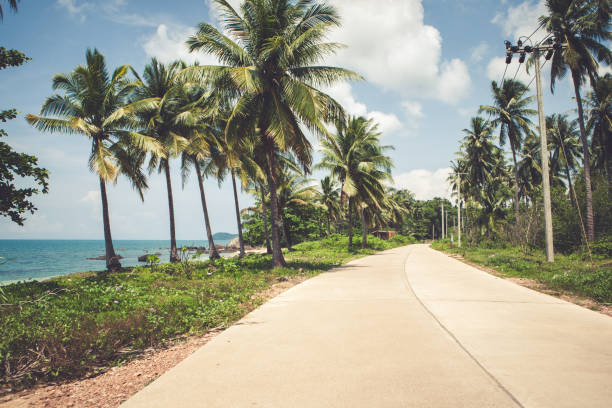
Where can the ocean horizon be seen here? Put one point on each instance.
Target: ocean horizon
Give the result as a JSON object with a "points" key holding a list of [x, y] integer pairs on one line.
{"points": [[39, 259]]}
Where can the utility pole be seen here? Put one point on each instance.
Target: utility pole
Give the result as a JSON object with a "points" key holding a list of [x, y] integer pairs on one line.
{"points": [[446, 223], [459, 207], [549, 47], [442, 220]]}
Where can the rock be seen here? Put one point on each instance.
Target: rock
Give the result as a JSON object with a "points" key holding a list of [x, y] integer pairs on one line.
{"points": [[282, 279], [219, 247], [143, 258], [102, 258], [233, 244]]}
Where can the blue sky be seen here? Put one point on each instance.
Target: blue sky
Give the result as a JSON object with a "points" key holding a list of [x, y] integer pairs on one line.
{"points": [[428, 65]]}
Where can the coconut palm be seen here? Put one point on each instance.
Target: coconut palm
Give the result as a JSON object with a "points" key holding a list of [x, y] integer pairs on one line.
{"points": [[90, 96], [511, 113], [478, 156], [599, 125], [270, 58], [159, 106], [584, 27], [356, 159], [12, 5], [330, 198], [294, 189], [563, 136], [200, 137], [529, 168]]}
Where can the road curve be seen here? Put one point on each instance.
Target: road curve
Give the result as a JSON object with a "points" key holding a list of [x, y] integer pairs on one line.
{"points": [[409, 327]]}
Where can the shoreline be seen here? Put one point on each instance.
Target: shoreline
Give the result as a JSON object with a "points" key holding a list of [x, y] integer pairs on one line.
{"points": [[227, 253]]}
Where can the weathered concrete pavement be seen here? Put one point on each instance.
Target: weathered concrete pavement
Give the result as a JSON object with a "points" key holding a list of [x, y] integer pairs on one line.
{"points": [[409, 327]]}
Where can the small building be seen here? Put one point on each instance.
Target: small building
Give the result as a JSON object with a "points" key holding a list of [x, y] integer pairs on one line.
{"points": [[386, 235]]}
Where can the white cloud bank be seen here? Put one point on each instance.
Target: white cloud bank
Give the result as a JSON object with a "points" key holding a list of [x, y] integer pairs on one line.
{"points": [[389, 43], [425, 184], [518, 21]]}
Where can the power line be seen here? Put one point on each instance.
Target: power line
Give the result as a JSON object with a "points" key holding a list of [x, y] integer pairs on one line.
{"points": [[517, 71], [535, 31], [503, 76]]}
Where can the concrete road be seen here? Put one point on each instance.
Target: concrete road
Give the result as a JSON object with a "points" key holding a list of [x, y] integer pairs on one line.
{"points": [[409, 327]]}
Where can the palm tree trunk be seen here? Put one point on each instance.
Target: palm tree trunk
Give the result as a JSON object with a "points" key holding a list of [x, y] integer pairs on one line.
{"points": [[586, 161], [350, 226], [364, 230], [278, 261], [286, 234], [238, 221], [569, 182], [516, 183], [265, 217], [112, 261], [173, 252], [328, 223], [213, 254]]}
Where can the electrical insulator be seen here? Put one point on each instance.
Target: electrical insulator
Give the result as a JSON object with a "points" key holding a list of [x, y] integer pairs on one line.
{"points": [[520, 43], [528, 48], [548, 55], [508, 58], [522, 58], [508, 45]]}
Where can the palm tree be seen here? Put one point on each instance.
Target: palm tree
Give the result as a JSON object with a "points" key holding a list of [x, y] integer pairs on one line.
{"points": [[294, 189], [330, 198], [511, 114], [12, 5], [478, 159], [565, 147], [90, 96], [196, 151], [270, 58], [599, 125], [529, 168], [158, 105], [584, 27], [355, 157]]}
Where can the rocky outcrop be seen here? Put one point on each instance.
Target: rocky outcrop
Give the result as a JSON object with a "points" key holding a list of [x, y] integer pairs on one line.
{"points": [[102, 258], [233, 244], [143, 258]]}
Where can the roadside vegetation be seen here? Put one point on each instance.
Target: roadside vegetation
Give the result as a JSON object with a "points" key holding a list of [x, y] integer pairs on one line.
{"points": [[573, 274], [81, 324]]}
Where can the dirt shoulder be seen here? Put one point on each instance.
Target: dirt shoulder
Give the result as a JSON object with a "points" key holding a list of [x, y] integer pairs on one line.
{"points": [[603, 308], [111, 388]]}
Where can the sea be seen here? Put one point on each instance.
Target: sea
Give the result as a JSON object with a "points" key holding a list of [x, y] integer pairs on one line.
{"points": [[24, 259]]}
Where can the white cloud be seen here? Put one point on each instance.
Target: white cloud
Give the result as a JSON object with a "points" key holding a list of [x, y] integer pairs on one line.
{"points": [[387, 122], [479, 51], [91, 197], [522, 20], [518, 21], [343, 93], [413, 109], [74, 6], [401, 53], [168, 44], [425, 184]]}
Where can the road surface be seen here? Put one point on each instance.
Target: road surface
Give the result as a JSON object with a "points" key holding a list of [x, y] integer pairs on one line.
{"points": [[409, 327]]}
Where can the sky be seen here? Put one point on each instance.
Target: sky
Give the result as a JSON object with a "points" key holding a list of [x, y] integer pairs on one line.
{"points": [[428, 66]]}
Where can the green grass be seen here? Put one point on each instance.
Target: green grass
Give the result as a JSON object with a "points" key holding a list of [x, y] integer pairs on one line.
{"points": [[82, 323], [573, 274]]}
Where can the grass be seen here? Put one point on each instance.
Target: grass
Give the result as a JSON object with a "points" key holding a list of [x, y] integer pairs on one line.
{"points": [[83, 323], [572, 274]]}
